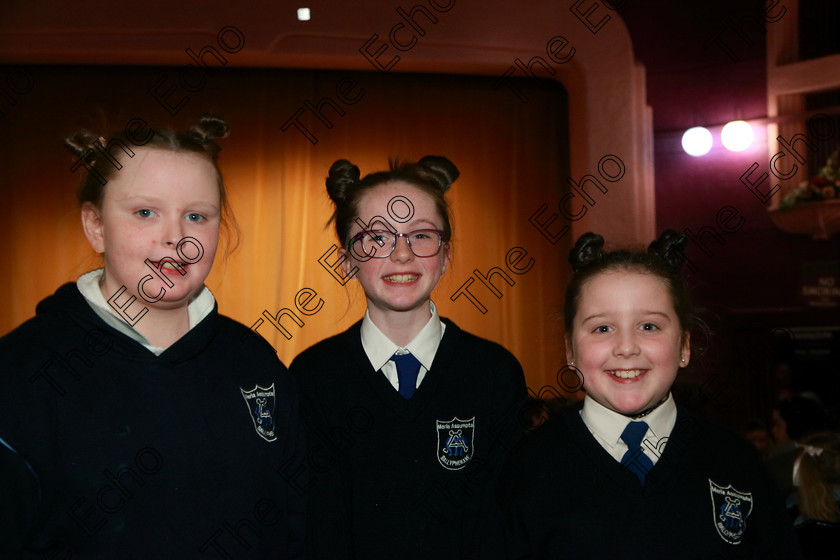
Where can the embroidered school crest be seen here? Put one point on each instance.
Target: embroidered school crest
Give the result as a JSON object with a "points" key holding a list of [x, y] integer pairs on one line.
{"points": [[730, 509], [260, 403], [456, 442]]}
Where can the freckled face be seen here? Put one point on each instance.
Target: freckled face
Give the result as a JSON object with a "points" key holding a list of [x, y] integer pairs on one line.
{"points": [[402, 281], [627, 340], [157, 199]]}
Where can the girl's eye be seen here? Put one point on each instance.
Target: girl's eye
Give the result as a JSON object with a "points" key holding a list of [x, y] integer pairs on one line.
{"points": [[145, 213], [194, 217], [649, 327], [602, 329]]}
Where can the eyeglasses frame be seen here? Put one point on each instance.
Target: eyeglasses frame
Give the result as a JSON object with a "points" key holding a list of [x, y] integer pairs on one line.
{"points": [[352, 241]]}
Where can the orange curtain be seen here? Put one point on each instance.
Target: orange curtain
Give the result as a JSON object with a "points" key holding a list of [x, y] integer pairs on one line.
{"points": [[513, 158]]}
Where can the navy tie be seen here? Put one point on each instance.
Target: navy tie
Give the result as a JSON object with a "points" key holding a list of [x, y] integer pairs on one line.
{"points": [[407, 369], [635, 460]]}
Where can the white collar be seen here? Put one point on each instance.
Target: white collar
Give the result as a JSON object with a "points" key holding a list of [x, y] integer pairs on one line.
{"points": [[608, 424], [379, 348], [88, 285]]}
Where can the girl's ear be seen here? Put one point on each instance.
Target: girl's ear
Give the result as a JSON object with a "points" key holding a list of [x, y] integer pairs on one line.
{"points": [[92, 225], [570, 352], [447, 258], [685, 349], [347, 262]]}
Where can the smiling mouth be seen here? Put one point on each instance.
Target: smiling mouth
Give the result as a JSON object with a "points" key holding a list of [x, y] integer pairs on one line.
{"points": [[401, 278], [626, 373], [169, 265]]}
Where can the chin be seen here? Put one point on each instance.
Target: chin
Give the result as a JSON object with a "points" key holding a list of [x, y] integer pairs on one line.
{"points": [[178, 299], [406, 307]]}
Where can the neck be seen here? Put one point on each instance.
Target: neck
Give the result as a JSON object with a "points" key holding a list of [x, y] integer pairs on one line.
{"points": [[400, 326], [647, 411]]}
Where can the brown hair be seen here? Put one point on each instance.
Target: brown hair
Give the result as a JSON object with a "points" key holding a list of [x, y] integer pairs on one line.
{"points": [[663, 258], [432, 174], [819, 477], [199, 140]]}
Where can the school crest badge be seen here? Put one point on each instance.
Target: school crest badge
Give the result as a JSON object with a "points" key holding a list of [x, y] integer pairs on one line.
{"points": [[260, 403], [456, 442], [730, 510]]}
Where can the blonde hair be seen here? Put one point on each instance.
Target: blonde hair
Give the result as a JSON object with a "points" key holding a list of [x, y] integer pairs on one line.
{"points": [[819, 477]]}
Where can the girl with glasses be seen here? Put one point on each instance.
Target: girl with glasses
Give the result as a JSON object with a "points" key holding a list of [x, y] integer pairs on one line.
{"points": [[408, 417]]}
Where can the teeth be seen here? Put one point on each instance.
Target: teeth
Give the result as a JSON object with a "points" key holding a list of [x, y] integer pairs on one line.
{"points": [[401, 278], [173, 266], [627, 373]]}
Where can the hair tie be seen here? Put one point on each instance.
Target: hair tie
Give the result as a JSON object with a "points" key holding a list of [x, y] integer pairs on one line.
{"points": [[811, 450]]}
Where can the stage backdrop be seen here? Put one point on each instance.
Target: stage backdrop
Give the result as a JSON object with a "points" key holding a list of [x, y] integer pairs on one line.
{"points": [[513, 158]]}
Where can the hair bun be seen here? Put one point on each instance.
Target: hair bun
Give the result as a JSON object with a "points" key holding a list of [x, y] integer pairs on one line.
{"points": [[587, 250], [210, 127], [343, 176], [442, 171], [80, 142], [670, 246]]}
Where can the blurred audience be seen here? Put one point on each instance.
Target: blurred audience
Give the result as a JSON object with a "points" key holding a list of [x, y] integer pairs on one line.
{"points": [[794, 419], [815, 505], [759, 435]]}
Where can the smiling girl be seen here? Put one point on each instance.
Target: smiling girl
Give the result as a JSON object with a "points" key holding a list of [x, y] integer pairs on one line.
{"points": [[135, 420], [408, 417], [629, 474]]}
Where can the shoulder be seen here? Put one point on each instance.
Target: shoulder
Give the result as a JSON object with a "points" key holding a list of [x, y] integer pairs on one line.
{"points": [[239, 357], [544, 456], [253, 354], [53, 327], [328, 352], [704, 442], [477, 349], [701, 432], [239, 336], [555, 437]]}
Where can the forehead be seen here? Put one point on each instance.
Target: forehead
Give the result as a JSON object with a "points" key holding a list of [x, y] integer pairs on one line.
{"points": [[626, 290], [158, 172], [399, 202]]}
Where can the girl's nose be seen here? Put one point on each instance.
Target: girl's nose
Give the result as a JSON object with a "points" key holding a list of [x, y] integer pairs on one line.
{"points": [[173, 232], [626, 345], [402, 252]]}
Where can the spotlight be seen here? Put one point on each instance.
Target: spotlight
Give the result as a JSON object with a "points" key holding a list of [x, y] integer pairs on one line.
{"points": [[697, 141], [737, 136], [303, 14]]}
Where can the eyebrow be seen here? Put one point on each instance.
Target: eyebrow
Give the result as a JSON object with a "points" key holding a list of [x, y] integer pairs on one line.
{"points": [[665, 315], [591, 317], [644, 313], [413, 223], [156, 200], [431, 223]]}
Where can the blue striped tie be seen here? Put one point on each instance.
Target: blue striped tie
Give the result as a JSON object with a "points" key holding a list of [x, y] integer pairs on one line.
{"points": [[407, 369], [635, 460]]}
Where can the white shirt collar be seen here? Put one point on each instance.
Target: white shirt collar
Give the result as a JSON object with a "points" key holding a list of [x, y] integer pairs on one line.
{"points": [[88, 285], [607, 424], [379, 348]]}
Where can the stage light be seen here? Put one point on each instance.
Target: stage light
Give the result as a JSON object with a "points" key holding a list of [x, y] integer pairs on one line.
{"points": [[303, 14], [697, 141], [736, 136]]}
